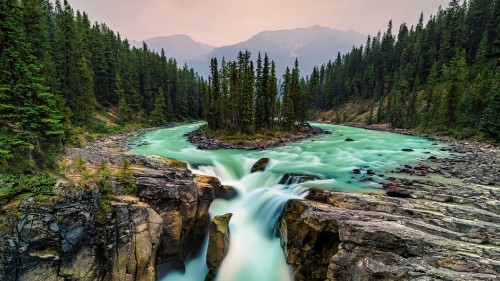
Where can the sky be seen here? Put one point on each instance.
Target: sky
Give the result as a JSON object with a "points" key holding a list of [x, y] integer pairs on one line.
{"points": [[225, 22]]}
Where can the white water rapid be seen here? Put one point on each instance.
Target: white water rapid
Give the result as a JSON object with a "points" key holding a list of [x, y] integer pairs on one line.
{"points": [[254, 251]]}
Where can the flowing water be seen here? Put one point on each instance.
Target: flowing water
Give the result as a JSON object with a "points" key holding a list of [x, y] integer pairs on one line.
{"points": [[254, 251]]}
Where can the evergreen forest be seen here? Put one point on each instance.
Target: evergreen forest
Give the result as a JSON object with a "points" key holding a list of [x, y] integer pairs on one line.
{"points": [[61, 76], [442, 76], [247, 99]]}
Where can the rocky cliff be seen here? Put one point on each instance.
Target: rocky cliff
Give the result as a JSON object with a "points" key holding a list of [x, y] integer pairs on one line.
{"points": [[439, 227], [82, 233]]}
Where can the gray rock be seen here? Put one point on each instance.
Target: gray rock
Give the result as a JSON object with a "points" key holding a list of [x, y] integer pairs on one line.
{"points": [[218, 243], [73, 236], [297, 178], [341, 236], [260, 165]]}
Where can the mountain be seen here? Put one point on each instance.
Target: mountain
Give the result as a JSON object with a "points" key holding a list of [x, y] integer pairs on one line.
{"points": [[181, 47], [313, 46]]}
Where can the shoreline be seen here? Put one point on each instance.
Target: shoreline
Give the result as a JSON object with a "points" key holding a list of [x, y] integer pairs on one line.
{"points": [[199, 139], [472, 161], [437, 202]]}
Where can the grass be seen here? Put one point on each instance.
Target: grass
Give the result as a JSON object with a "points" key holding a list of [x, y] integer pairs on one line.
{"points": [[238, 138]]}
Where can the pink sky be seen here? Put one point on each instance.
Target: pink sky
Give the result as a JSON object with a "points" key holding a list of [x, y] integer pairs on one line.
{"points": [[223, 22]]}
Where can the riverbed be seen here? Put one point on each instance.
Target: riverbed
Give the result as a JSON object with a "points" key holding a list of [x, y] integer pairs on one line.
{"points": [[359, 165]]}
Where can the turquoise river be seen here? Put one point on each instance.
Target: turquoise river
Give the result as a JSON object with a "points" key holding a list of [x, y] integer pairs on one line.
{"points": [[255, 252]]}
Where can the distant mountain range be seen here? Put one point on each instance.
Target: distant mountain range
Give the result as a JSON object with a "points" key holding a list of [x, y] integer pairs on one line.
{"points": [[313, 46], [181, 47]]}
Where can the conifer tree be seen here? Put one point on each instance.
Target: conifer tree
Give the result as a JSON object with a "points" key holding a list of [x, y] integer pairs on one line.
{"points": [[273, 95], [247, 90], [159, 107], [28, 112], [287, 111]]}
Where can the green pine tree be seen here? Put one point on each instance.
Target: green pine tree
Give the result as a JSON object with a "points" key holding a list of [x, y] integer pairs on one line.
{"points": [[28, 112]]}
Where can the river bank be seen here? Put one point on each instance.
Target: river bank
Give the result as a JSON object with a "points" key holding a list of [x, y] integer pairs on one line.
{"points": [[475, 162], [257, 142], [438, 220]]}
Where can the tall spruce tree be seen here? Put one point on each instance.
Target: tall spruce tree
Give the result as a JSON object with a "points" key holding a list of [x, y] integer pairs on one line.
{"points": [[28, 112]]}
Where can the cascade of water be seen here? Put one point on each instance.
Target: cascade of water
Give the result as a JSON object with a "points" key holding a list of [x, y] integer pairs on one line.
{"points": [[254, 252]]}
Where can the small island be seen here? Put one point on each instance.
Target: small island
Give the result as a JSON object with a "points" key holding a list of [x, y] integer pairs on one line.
{"points": [[204, 138], [247, 110]]}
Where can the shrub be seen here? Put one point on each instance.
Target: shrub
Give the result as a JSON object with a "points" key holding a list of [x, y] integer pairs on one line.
{"points": [[13, 185], [126, 178]]}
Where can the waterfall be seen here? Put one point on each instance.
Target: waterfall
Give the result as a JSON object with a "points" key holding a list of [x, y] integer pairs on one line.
{"points": [[325, 162]]}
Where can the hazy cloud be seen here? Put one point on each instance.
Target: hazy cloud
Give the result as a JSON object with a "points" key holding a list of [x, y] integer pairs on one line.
{"points": [[221, 22]]}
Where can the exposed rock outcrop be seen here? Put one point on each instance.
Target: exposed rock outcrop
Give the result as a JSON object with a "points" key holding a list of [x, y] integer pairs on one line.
{"points": [[339, 236], [82, 234], [71, 237], [218, 244], [221, 191]]}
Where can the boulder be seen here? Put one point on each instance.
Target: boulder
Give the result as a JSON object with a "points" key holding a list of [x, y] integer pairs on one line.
{"points": [[348, 236], [218, 243], [396, 191], [212, 181], [260, 165], [349, 139], [227, 192], [297, 178]]}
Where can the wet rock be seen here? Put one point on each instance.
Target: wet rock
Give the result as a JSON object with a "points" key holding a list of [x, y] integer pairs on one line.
{"points": [[395, 191], [356, 171], [407, 149], [347, 236], [366, 179], [167, 162], [297, 178], [349, 139], [218, 243], [260, 165], [227, 192], [220, 191], [211, 181]]}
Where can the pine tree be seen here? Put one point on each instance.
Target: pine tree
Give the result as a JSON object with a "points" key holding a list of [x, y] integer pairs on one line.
{"points": [[287, 111], [297, 96], [28, 112], [213, 99], [247, 91], [455, 79], [491, 115], [159, 107], [124, 110], [273, 95]]}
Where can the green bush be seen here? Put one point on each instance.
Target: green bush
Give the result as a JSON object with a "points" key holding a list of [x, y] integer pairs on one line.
{"points": [[13, 185], [126, 179]]}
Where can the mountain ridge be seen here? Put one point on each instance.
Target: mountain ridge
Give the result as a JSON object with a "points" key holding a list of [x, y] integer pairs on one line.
{"points": [[179, 46], [312, 46]]}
